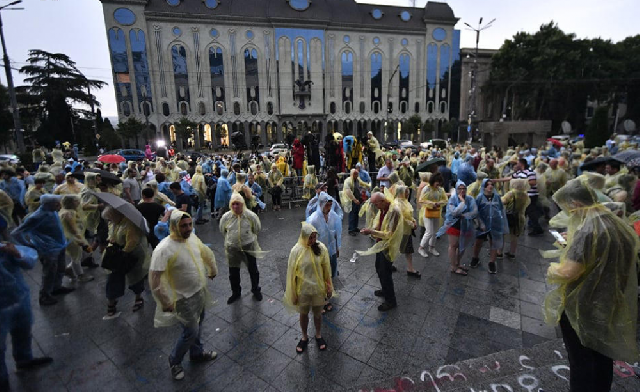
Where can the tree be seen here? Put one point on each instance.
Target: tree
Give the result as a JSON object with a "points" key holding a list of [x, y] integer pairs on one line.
{"points": [[184, 130], [412, 126], [57, 92], [131, 129], [108, 136], [598, 130], [6, 119]]}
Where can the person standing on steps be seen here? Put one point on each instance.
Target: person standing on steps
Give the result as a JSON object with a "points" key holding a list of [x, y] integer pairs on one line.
{"points": [[240, 228], [387, 232]]}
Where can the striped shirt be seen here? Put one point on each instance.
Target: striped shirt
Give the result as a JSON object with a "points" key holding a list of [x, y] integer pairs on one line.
{"points": [[527, 175]]}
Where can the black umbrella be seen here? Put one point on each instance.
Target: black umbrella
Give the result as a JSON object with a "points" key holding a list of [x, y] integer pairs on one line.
{"points": [[626, 156], [125, 208], [105, 176], [593, 164], [423, 167]]}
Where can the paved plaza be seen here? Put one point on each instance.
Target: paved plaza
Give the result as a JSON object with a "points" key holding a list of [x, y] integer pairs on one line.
{"points": [[487, 329]]}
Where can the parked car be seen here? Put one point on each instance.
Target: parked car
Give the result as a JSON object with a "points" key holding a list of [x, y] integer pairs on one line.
{"points": [[278, 146], [10, 158], [130, 154]]}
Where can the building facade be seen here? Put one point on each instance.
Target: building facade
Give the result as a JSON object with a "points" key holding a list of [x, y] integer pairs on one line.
{"points": [[271, 67]]}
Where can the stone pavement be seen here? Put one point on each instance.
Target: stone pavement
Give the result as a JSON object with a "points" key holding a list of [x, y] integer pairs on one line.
{"points": [[489, 328]]}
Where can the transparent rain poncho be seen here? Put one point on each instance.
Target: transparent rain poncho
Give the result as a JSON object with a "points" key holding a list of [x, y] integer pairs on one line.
{"points": [[597, 275], [465, 213], [240, 234], [178, 276], [330, 230], [390, 233], [73, 226], [348, 190], [596, 182], [198, 183], [466, 172], [223, 191], [312, 206], [42, 230], [310, 182], [432, 198], [492, 216], [308, 275], [555, 179], [475, 188], [14, 290], [516, 202], [90, 202], [406, 208]]}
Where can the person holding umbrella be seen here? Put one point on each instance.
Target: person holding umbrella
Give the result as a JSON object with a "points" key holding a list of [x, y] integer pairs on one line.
{"points": [[128, 231]]}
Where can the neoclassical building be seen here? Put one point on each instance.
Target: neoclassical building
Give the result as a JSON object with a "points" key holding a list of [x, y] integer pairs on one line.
{"points": [[270, 67]]}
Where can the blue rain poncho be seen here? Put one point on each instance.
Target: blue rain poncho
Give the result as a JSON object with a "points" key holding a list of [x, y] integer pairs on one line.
{"points": [[223, 191], [42, 230], [163, 188], [466, 172], [313, 206], [329, 232], [15, 189], [455, 163], [14, 291], [463, 212], [493, 219]]}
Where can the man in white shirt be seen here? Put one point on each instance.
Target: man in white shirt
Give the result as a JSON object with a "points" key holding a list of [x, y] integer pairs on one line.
{"points": [[383, 174], [179, 267]]}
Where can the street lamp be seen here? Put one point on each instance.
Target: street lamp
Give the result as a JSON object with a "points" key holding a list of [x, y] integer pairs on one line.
{"points": [[389, 97], [146, 111], [474, 73], [17, 124]]}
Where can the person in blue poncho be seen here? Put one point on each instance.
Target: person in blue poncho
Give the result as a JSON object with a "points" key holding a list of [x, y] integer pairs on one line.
{"points": [[43, 231], [364, 176], [493, 224], [16, 190], [15, 310], [455, 163], [466, 172], [458, 225], [184, 184], [313, 203], [223, 193], [163, 186]]}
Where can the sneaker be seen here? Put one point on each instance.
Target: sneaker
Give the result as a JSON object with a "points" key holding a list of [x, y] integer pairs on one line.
{"points": [[85, 278], [493, 268], [509, 255], [257, 295], [204, 357], [47, 301], [422, 252], [386, 306], [177, 372], [434, 252], [378, 293], [233, 298], [63, 290], [499, 256], [475, 262]]}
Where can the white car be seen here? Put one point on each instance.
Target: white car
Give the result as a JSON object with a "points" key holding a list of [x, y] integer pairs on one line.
{"points": [[278, 146], [11, 158]]}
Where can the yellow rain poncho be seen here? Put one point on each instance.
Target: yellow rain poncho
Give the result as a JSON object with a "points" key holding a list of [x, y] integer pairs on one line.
{"points": [[596, 182], [73, 226], [90, 202], [406, 209], [32, 198], [198, 183], [432, 199], [390, 232], [308, 274], [6, 207], [475, 187], [597, 276], [424, 182], [240, 234], [275, 177], [283, 166], [159, 197], [310, 182], [347, 193], [178, 275], [555, 179], [68, 188], [50, 179], [132, 240], [515, 204]]}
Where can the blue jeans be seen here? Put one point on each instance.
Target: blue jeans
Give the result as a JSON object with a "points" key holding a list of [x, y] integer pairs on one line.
{"points": [[333, 261], [200, 210], [354, 217], [191, 330], [52, 272], [16, 321]]}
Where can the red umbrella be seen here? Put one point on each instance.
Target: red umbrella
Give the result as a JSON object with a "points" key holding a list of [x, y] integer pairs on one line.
{"points": [[111, 158], [555, 142]]}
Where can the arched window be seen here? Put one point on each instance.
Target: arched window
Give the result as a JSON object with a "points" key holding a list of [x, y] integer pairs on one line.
{"points": [[332, 108], [253, 107], [165, 109], [120, 60], [216, 71], [417, 107], [236, 108], [126, 108], [362, 107], [432, 75], [404, 81], [184, 110], [403, 107], [201, 109], [269, 108], [251, 75], [347, 107], [430, 107], [443, 107], [180, 74], [140, 66], [347, 76], [376, 81]]}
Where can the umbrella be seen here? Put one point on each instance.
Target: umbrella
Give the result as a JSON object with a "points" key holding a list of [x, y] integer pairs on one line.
{"points": [[105, 176], [626, 156], [591, 165], [555, 142], [425, 165], [111, 158], [125, 208], [635, 162]]}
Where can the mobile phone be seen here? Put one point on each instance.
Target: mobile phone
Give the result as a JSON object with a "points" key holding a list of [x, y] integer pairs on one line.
{"points": [[558, 237]]}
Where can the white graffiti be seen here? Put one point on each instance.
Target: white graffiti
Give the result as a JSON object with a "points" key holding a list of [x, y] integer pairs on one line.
{"points": [[525, 358], [556, 370], [531, 384]]}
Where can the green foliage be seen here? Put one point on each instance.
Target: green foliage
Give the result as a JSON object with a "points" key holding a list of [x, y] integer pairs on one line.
{"points": [[6, 119], [131, 129], [412, 126], [598, 130], [551, 74], [184, 130], [108, 136], [55, 89]]}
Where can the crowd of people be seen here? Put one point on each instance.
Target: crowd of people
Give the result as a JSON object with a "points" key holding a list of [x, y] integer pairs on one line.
{"points": [[71, 213]]}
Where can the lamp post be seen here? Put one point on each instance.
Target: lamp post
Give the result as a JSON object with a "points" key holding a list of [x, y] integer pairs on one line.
{"points": [[17, 124], [474, 73], [389, 98], [145, 111]]}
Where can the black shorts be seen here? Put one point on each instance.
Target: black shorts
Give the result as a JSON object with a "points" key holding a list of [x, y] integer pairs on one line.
{"points": [[406, 246], [484, 236]]}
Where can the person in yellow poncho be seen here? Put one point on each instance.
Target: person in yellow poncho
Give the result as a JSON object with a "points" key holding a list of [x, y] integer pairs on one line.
{"points": [[283, 166], [476, 186], [240, 228], [32, 197], [555, 177], [515, 204], [71, 186], [159, 197], [595, 299], [310, 182], [200, 188], [50, 180], [387, 232], [179, 269], [74, 232], [409, 224], [351, 199], [433, 198], [308, 283], [275, 180]]}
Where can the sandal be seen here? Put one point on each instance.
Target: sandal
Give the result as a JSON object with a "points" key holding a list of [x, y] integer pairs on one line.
{"points": [[464, 268], [302, 345], [320, 342], [139, 304], [112, 312], [460, 271], [415, 274], [327, 308]]}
